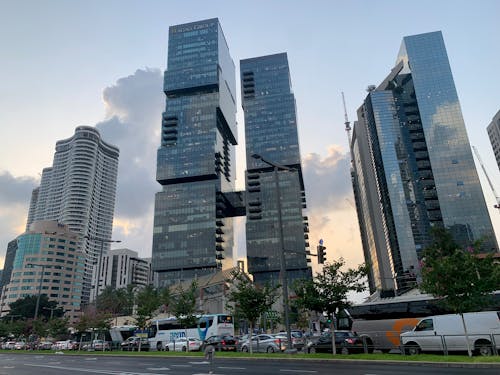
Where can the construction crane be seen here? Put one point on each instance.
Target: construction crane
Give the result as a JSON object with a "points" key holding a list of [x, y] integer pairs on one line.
{"points": [[487, 177], [346, 123]]}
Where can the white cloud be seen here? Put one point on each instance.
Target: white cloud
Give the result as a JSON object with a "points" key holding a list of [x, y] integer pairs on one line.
{"points": [[15, 195], [133, 110], [330, 201]]}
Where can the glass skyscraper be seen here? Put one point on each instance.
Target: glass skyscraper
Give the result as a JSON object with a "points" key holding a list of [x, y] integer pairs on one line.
{"points": [[271, 132], [193, 232], [413, 166]]}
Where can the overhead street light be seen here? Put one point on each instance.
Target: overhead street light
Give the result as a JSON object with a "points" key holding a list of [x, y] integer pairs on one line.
{"points": [[37, 306], [284, 279]]}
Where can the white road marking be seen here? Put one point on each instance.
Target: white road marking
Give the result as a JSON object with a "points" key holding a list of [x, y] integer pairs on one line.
{"points": [[94, 371], [299, 371], [200, 363], [180, 365], [232, 368], [158, 368]]}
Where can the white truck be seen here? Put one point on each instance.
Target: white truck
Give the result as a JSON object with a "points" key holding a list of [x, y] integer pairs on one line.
{"points": [[445, 333]]}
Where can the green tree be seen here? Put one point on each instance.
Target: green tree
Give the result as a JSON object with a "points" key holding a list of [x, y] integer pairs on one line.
{"points": [[25, 308], [94, 321], [148, 302], [248, 300], [460, 279], [184, 305], [112, 301], [58, 328], [328, 292], [165, 299]]}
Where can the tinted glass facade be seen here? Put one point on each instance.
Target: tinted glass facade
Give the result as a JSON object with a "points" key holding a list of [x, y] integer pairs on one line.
{"points": [[271, 132], [195, 163], [410, 142]]}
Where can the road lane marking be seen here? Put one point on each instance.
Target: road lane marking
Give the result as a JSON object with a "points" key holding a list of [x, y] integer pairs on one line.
{"points": [[299, 371], [232, 368], [158, 368], [94, 371]]}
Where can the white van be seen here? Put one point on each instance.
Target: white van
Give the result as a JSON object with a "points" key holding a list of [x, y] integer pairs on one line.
{"points": [[445, 333]]}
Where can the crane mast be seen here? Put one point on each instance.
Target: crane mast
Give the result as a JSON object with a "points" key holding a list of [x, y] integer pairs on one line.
{"points": [[487, 177]]}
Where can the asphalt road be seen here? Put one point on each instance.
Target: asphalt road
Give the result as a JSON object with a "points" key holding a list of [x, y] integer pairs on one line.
{"points": [[20, 364]]}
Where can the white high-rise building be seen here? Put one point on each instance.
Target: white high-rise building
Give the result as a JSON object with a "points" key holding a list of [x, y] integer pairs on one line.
{"points": [[494, 134], [123, 267], [79, 190]]}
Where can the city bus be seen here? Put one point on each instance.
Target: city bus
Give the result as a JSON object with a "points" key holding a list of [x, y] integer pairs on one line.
{"points": [[163, 331]]}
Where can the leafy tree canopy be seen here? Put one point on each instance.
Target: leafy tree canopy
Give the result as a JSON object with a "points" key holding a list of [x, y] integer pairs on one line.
{"points": [[184, 304], [25, 308], [460, 278], [248, 300], [148, 301], [328, 292]]}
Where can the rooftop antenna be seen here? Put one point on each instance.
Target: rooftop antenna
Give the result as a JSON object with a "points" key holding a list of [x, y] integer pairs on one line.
{"points": [[487, 177]]}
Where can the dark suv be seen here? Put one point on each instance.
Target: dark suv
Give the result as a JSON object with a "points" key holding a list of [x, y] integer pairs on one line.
{"points": [[220, 343], [134, 343], [345, 342]]}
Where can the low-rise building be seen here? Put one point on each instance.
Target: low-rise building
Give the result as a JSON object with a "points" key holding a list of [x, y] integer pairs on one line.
{"points": [[48, 261]]}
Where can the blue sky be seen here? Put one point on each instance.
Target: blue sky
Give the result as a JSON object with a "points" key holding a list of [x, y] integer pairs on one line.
{"points": [[70, 63]]}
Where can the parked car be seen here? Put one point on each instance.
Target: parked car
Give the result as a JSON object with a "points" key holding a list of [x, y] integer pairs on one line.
{"points": [[20, 345], [97, 345], [8, 345], [265, 343], [181, 345], [346, 342], [431, 332], [45, 345], [298, 339], [135, 343], [221, 343], [65, 345]]}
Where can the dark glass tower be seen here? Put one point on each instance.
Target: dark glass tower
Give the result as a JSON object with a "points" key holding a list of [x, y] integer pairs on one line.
{"points": [[195, 163], [271, 132], [413, 166]]}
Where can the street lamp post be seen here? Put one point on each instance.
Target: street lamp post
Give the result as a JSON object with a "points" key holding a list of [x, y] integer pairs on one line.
{"points": [[37, 306], [98, 273], [284, 279], [51, 311]]}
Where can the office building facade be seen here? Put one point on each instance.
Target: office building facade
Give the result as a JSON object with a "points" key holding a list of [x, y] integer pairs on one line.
{"points": [[271, 132], [79, 190], [7, 266], [494, 135], [413, 166], [48, 261], [123, 267], [193, 233]]}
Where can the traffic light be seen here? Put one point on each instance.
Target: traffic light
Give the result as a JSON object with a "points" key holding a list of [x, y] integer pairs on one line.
{"points": [[321, 254]]}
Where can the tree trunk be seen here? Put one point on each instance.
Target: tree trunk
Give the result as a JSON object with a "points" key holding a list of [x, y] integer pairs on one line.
{"points": [[250, 345], [466, 335], [332, 330], [187, 339]]}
